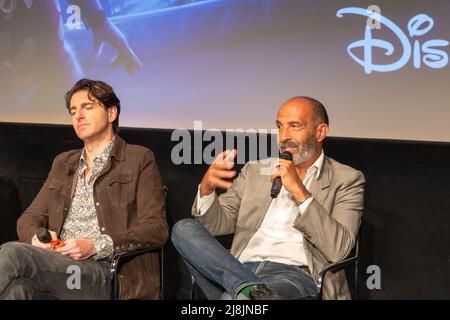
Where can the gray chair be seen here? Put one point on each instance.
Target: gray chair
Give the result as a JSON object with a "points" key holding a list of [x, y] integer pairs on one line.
{"points": [[122, 257], [353, 259]]}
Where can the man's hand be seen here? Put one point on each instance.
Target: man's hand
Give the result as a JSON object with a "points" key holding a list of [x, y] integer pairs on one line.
{"points": [[78, 249], [107, 32], [104, 31], [290, 180], [35, 241], [218, 171]]}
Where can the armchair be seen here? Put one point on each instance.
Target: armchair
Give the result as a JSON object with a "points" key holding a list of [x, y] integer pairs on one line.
{"points": [[122, 257]]}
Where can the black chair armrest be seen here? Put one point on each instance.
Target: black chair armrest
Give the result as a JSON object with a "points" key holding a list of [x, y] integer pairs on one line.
{"points": [[332, 267], [117, 261]]}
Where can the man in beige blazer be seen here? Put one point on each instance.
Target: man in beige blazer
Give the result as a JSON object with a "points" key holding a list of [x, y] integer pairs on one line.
{"points": [[279, 244]]}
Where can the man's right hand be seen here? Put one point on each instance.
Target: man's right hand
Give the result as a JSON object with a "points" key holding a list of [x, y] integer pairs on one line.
{"points": [[218, 171], [35, 241]]}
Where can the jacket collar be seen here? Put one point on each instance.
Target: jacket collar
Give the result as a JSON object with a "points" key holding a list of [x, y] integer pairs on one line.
{"points": [[117, 151], [322, 182]]}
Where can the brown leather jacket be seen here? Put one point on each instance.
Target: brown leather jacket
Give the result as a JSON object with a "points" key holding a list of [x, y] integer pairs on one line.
{"points": [[130, 200]]}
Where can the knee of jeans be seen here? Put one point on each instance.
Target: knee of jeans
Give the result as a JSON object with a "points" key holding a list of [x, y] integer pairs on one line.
{"points": [[10, 250], [182, 229]]}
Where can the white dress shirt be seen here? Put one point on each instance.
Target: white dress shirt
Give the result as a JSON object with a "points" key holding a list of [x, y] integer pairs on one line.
{"points": [[276, 239]]}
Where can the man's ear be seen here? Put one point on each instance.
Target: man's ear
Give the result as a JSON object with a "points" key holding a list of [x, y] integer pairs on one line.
{"points": [[112, 114], [322, 131]]}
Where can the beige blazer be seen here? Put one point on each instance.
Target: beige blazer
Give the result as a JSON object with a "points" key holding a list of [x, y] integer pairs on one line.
{"points": [[329, 225]]}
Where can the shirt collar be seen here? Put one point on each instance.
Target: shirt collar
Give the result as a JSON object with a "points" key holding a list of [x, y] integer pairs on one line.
{"points": [[101, 157]]}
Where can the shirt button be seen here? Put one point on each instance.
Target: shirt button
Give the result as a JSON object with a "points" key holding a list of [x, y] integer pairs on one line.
{"points": [[117, 248], [97, 204], [103, 229]]}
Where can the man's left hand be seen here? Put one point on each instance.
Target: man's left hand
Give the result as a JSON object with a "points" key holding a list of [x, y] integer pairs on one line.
{"points": [[107, 32], [78, 249]]}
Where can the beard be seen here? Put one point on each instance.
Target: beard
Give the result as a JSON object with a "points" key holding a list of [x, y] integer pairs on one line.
{"points": [[305, 152]]}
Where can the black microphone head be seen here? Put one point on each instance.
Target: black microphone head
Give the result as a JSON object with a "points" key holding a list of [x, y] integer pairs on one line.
{"points": [[43, 235], [286, 155]]}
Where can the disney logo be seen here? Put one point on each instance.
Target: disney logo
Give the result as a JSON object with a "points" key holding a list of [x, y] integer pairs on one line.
{"points": [[418, 26]]}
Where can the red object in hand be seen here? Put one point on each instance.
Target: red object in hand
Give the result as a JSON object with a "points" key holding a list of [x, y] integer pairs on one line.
{"points": [[44, 236], [57, 243]]}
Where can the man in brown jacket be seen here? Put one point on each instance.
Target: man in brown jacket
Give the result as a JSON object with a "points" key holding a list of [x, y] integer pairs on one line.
{"points": [[105, 198]]}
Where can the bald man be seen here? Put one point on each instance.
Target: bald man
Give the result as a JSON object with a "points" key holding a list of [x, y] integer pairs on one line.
{"points": [[281, 244]]}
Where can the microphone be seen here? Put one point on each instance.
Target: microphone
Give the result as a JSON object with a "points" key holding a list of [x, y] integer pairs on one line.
{"points": [[44, 236], [276, 184]]}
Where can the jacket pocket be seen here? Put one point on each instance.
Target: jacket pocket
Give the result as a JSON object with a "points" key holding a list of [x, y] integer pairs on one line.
{"points": [[57, 195], [119, 189], [57, 187]]}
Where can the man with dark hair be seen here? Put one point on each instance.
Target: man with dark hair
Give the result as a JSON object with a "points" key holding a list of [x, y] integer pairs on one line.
{"points": [[105, 198], [279, 245], [100, 91]]}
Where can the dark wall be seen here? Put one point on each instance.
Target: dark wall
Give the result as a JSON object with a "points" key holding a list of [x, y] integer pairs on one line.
{"points": [[407, 203]]}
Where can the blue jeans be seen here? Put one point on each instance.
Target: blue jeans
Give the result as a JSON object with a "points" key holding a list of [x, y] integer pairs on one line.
{"points": [[28, 272], [219, 274]]}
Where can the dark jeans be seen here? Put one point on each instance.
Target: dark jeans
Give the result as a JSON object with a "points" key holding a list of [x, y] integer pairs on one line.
{"points": [[28, 272], [220, 275]]}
